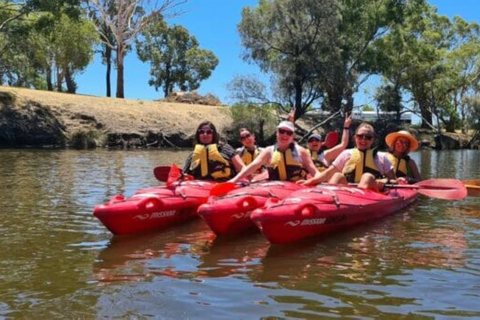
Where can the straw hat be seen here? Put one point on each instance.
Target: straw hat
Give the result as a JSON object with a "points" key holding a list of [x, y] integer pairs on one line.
{"points": [[392, 137]]}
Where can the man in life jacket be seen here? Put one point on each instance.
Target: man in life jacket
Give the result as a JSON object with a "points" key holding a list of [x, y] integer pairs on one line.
{"points": [[362, 164], [400, 144], [211, 160], [285, 161], [323, 157]]}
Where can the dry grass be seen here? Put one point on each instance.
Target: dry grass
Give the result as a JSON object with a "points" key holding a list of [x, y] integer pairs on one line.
{"points": [[80, 112]]}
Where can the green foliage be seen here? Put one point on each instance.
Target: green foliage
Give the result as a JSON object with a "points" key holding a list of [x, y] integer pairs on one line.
{"points": [[176, 61], [260, 119], [290, 40]]}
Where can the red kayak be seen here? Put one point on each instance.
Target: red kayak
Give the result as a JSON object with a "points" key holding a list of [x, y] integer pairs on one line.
{"points": [[326, 208], [230, 214], [154, 208]]}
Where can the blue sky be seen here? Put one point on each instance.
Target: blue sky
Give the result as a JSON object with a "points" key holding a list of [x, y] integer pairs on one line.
{"points": [[214, 24]]}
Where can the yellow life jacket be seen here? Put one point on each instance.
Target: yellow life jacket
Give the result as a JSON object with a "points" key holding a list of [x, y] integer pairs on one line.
{"points": [[361, 162], [208, 163], [286, 166], [247, 156], [317, 161], [400, 166]]}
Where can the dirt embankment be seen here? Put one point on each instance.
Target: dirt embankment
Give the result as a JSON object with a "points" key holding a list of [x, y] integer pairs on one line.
{"points": [[43, 118]]}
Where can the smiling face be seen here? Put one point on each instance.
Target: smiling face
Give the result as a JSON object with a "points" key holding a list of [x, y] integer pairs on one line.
{"points": [[364, 137], [314, 144], [247, 138], [284, 138], [401, 146], [205, 134]]}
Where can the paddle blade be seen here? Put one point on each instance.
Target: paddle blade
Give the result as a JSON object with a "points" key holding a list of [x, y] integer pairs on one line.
{"points": [[447, 189], [161, 173], [473, 187], [174, 175], [222, 189], [331, 140]]}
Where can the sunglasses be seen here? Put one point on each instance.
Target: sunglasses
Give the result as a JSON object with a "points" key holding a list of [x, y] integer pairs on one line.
{"points": [[287, 132], [205, 131], [248, 135], [367, 137], [314, 140]]}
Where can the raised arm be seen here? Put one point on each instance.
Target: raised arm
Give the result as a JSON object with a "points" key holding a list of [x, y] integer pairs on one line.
{"points": [[331, 154]]}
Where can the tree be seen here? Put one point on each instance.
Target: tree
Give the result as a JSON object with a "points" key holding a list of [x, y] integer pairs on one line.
{"points": [[319, 49], [287, 40], [428, 55], [132, 16], [175, 58], [389, 99]]}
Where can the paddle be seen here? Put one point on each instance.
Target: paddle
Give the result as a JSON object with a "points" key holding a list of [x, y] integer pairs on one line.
{"points": [[447, 189], [473, 187], [161, 173], [331, 140], [170, 174], [223, 188]]}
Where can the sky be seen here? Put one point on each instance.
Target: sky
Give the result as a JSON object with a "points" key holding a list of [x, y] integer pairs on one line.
{"points": [[214, 24]]}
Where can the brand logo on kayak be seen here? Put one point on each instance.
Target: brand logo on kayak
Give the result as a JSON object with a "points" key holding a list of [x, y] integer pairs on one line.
{"points": [[162, 214], [311, 222], [241, 215]]}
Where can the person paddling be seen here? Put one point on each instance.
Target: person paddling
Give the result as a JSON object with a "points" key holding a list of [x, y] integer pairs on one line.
{"points": [[211, 160], [362, 164], [400, 144], [285, 161], [322, 157]]}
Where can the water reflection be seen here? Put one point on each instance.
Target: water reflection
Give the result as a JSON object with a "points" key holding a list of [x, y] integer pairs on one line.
{"points": [[58, 259]]}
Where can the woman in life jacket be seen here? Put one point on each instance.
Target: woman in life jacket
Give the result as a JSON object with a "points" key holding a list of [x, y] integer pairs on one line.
{"points": [[400, 144], [362, 164], [285, 161], [210, 159], [249, 149], [323, 157]]}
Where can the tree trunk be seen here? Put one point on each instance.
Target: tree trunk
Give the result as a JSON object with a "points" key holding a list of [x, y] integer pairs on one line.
{"points": [[108, 61], [120, 56], [71, 85], [49, 78]]}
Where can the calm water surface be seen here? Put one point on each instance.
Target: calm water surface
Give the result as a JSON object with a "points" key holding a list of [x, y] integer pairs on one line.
{"points": [[58, 261]]}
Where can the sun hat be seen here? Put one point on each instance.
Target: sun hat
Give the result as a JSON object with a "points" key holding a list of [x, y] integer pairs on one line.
{"points": [[286, 125], [315, 136], [392, 137]]}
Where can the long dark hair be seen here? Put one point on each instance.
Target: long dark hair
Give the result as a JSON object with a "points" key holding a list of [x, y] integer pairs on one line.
{"points": [[216, 137]]}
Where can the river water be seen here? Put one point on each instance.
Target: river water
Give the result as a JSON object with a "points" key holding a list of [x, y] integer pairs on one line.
{"points": [[58, 261]]}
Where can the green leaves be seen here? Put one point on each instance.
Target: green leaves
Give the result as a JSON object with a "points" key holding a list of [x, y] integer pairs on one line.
{"points": [[175, 58]]}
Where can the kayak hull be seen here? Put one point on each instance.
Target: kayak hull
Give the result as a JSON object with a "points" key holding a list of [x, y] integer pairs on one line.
{"points": [[154, 208], [230, 214], [326, 209]]}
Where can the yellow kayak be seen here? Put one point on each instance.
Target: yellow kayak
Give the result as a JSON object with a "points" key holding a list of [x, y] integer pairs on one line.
{"points": [[473, 187]]}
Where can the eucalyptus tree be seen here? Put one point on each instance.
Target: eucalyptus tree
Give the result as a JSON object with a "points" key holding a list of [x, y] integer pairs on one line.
{"points": [[287, 39], [319, 50], [131, 17], [176, 61], [428, 56]]}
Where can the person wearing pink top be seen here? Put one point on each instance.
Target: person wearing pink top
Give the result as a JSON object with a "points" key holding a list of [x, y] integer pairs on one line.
{"points": [[362, 164]]}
